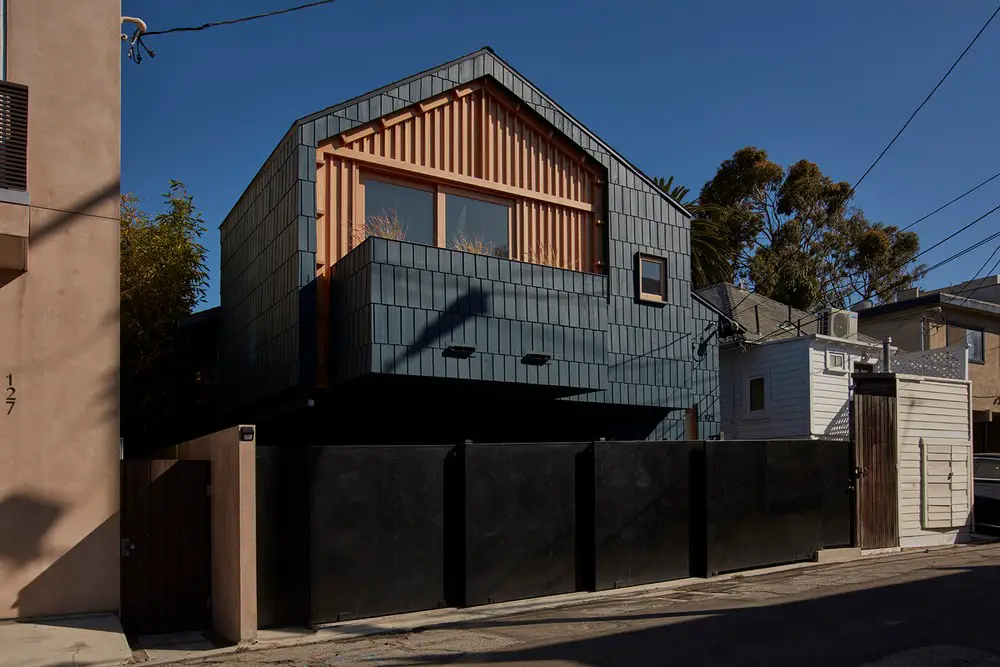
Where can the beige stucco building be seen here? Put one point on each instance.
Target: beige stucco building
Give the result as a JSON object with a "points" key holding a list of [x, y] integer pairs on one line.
{"points": [[967, 314], [59, 298]]}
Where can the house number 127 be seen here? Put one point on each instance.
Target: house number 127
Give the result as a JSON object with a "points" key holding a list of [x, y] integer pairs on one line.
{"points": [[11, 393]]}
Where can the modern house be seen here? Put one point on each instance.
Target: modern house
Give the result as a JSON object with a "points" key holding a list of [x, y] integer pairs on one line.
{"points": [[59, 195], [964, 315], [454, 256], [787, 373]]}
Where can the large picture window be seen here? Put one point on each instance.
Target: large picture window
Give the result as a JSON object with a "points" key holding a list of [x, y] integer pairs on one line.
{"points": [[435, 215], [478, 226], [397, 212]]}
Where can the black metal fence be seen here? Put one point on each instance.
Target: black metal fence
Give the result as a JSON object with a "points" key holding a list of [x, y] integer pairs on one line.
{"points": [[388, 529]]}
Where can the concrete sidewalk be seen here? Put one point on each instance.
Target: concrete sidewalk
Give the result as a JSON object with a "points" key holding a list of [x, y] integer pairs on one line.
{"points": [[79, 641]]}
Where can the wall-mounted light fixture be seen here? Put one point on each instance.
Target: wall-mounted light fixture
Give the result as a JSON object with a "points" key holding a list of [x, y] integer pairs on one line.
{"points": [[536, 358], [458, 351]]}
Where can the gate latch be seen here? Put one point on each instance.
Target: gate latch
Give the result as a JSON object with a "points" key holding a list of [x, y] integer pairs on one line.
{"points": [[127, 547], [860, 471]]}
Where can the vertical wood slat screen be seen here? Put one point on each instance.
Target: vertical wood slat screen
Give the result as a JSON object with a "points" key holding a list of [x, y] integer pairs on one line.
{"points": [[479, 136], [875, 431], [13, 136]]}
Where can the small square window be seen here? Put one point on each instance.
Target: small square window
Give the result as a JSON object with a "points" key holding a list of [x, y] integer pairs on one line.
{"points": [[757, 395], [836, 362], [652, 278]]}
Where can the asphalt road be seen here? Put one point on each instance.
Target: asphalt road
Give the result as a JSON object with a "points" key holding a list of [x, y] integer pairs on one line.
{"points": [[928, 608]]}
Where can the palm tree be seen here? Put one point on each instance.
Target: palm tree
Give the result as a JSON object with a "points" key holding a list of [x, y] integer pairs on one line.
{"points": [[709, 257]]}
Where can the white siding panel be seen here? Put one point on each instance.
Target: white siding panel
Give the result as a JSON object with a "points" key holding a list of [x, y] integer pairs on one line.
{"points": [[935, 446], [831, 411], [786, 366]]}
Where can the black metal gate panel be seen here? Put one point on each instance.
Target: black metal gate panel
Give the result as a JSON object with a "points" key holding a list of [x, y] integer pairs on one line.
{"points": [[520, 522], [765, 502], [641, 512], [836, 463], [283, 551], [377, 530]]}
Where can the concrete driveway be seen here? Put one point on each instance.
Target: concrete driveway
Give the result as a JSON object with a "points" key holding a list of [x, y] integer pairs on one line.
{"points": [[80, 641], [928, 608]]}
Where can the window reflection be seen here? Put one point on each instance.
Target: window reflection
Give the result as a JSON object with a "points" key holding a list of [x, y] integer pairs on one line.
{"points": [[652, 277], [398, 212], [474, 225]]}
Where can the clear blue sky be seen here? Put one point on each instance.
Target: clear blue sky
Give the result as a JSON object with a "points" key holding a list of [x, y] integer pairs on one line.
{"points": [[676, 87]]}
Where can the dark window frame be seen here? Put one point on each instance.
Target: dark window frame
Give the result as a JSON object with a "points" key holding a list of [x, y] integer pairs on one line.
{"points": [[967, 328], [982, 345]]}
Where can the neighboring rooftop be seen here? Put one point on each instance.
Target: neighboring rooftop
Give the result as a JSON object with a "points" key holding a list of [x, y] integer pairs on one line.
{"points": [[925, 300], [761, 317]]}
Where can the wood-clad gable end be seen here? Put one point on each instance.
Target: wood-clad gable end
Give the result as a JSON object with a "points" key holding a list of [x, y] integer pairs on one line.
{"points": [[473, 140]]}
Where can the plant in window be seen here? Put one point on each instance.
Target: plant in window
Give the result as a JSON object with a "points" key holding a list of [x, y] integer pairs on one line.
{"points": [[383, 226], [478, 246], [542, 254]]}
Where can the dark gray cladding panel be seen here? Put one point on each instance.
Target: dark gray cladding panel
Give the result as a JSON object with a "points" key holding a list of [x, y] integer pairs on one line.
{"points": [[416, 316]]}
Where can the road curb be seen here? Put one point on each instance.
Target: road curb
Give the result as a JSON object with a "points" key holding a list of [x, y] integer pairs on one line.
{"points": [[349, 631]]}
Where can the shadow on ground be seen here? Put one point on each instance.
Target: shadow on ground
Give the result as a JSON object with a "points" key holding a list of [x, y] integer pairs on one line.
{"points": [[951, 613]]}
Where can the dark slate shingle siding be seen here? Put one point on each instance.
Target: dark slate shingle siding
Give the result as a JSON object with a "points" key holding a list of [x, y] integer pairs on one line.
{"points": [[416, 313], [261, 273]]}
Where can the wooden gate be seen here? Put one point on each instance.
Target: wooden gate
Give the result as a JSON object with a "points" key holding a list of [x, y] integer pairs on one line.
{"points": [[875, 470], [166, 546]]}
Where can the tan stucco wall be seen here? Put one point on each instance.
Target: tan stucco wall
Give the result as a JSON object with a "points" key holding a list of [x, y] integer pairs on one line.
{"points": [[905, 331], [234, 529], [985, 376], [903, 328], [59, 471]]}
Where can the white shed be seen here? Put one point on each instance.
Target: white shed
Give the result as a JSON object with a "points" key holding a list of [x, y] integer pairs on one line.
{"points": [[914, 451]]}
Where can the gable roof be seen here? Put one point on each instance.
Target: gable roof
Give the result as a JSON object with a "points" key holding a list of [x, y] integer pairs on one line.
{"points": [[372, 105], [763, 318]]}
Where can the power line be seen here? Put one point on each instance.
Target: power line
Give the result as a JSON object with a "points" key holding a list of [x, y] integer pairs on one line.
{"points": [[950, 236], [214, 24], [941, 208], [962, 252], [926, 99], [936, 266], [902, 129], [947, 238], [959, 293]]}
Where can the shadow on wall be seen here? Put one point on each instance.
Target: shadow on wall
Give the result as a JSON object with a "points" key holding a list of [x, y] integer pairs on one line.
{"points": [[68, 584], [473, 303], [83, 207], [25, 519], [42, 233], [840, 425]]}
